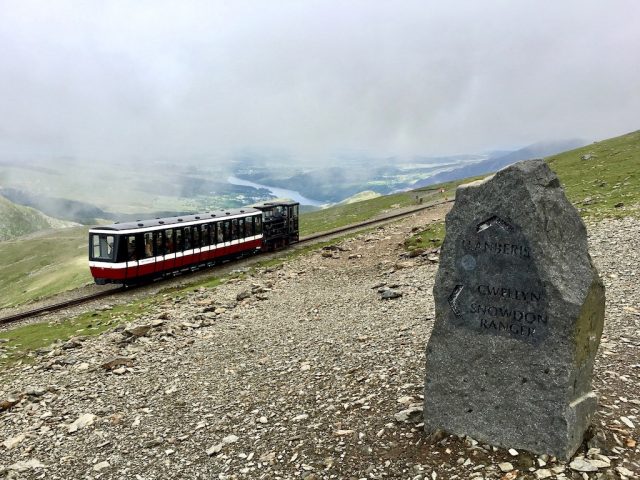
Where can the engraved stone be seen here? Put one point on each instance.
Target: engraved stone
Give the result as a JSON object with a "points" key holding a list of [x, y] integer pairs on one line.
{"points": [[519, 315]]}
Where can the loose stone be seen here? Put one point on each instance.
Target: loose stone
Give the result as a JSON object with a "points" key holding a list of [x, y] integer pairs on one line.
{"points": [[98, 467], [580, 464]]}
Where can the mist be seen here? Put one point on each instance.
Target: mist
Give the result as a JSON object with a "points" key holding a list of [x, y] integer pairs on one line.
{"points": [[131, 81]]}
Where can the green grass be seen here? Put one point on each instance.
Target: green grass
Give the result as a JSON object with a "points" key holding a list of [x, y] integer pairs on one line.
{"points": [[23, 342], [346, 214], [429, 237], [610, 177], [42, 266]]}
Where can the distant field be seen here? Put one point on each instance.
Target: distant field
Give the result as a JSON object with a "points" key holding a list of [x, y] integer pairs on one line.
{"points": [[39, 267]]}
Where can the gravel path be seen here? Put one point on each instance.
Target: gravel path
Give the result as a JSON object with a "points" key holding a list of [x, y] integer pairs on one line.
{"points": [[312, 375]]}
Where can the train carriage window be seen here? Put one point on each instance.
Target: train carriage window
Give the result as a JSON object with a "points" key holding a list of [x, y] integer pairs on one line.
{"points": [[132, 255], [226, 230], [258, 225], [240, 227], [214, 233], [102, 246], [221, 234], [234, 229], [204, 235], [186, 235], [195, 235], [248, 227], [179, 244], [148, 245], [160, 243], [295, 211], [171, 247]]}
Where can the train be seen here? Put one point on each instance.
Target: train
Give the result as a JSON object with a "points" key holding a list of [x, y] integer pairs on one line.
{"points": [[146, 250]]}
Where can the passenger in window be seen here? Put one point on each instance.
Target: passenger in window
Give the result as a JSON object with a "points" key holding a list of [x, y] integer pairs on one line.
{"points": [[168, 234], [132, 249], [148, 248], [159, 247]]}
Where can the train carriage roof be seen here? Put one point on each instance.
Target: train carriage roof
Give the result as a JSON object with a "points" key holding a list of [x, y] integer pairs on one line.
{"points": [[173, 221]]}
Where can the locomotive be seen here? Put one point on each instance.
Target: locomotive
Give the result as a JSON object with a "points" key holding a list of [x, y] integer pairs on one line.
{"points": [[144, 250]]}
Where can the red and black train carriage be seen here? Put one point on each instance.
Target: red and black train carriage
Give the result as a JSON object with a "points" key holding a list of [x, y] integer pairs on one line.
{"points": [[132, 252]]}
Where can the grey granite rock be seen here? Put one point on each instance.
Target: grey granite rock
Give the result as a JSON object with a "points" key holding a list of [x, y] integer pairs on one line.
{"points": [[519, 315]]}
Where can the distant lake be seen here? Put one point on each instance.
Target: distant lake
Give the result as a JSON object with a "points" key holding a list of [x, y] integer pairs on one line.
{"points": [[277, 192]]}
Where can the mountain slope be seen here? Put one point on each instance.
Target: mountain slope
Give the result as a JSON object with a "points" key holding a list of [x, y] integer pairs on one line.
{"points": [[536, 150], [16, 220]]}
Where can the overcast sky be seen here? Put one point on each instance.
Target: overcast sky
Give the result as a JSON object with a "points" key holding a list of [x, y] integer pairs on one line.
{"points": [[131, 79]]}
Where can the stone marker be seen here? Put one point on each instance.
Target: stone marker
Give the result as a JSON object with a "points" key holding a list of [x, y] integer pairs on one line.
{"points": [[519, 315]]}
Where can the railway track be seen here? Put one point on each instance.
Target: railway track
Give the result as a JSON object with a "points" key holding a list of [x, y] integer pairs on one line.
{"points": [[309, 238]]}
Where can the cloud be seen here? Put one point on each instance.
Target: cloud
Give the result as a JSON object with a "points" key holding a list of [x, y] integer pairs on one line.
{"points": [[124, 80]]}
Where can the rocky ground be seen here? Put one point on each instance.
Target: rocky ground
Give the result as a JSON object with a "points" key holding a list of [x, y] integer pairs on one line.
{"points": [[313, 369]]}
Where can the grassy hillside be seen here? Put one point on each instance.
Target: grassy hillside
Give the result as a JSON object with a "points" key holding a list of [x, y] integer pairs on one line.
{"points": [[348, 213], [16, 220], [602, 179], [42, 266]]}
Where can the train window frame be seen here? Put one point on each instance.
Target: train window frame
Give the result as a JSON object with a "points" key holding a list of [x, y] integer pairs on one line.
{"points": [[240, 228], [106, 250], [131, 248], [213, 232], [219, 233], [226, 231], [234, 229], [187, 241], [147, 245], [248, 227], [195, 236], [205, 235], [179, 243], [159, 242], [257, 224], [170, 244]]}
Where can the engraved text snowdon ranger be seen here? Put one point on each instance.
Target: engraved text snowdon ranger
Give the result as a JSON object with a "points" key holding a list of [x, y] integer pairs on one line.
{"points": [[499, 292]]}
